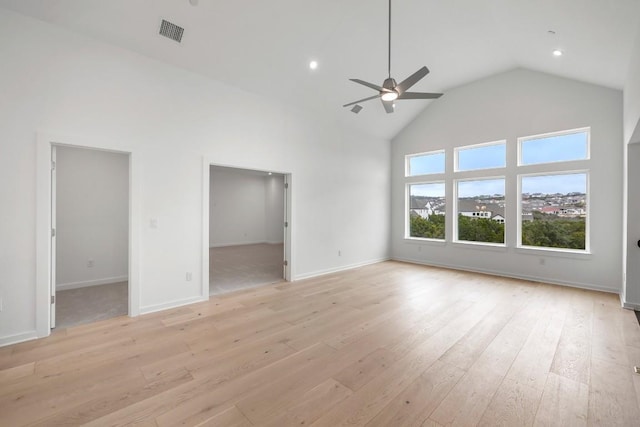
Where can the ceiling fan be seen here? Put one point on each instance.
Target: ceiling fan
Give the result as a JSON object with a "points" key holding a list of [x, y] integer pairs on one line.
{"points": [[390, 90]]}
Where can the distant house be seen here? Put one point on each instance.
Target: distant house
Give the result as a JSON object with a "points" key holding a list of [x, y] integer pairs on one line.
{"points": [[473, 209], [424, 211], [550, 210]]}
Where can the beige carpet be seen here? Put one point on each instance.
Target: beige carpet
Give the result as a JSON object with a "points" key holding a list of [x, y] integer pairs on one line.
{"points": [[90, 304], [232, 268]]}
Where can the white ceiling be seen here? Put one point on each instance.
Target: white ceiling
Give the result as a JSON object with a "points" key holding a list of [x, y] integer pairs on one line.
{"points": [[265, 46]]}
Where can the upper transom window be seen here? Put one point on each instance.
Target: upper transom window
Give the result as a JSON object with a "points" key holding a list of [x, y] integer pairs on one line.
{"points": [[556, 147], [425, 163]]}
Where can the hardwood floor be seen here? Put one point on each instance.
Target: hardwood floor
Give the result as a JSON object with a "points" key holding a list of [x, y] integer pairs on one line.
{"points": [[390, 344]]}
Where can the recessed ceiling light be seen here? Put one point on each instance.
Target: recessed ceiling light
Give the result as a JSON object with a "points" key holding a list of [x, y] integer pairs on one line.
{"points": [[270, 173], [313, 65], [558, 52]]}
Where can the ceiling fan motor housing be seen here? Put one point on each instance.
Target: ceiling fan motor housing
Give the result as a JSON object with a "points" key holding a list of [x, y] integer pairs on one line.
{"points": [[389, 84]]}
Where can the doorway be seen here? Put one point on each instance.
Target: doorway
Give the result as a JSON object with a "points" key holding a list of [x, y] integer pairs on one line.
{"points": [[247, 228], [90, 235]]}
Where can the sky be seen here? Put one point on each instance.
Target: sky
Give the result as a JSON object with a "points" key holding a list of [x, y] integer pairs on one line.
{"points": [[480, 187], [534, 151], [549, 184]]}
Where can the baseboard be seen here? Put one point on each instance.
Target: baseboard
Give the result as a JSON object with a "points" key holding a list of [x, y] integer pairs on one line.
{"points": [[18, 338], [87, 283], [587, 286], [629, 305], [172, 304], [337, 269], [274, 242], [224, 245]]}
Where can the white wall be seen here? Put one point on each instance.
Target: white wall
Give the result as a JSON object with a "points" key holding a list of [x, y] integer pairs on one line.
{"points": [[274, 202], [631, 295], [507, 106], [244, 207], [632, 96], [92, 217], [55, 81], [631, 254]]}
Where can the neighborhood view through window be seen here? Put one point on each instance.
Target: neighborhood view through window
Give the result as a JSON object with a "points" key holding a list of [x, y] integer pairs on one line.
{"points": [[552, 202]]}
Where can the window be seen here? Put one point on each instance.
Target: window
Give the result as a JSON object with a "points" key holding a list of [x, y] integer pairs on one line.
{"points": [[480, 209], [425, 163], [553, 202], [554, 210], [427, 210], [481, 156], [552, 178], [558, 147]]}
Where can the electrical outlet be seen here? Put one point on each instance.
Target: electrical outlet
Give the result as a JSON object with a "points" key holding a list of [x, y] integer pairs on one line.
{"points": [[339, 253], [90, 263], [189, 276], [542, 261]]}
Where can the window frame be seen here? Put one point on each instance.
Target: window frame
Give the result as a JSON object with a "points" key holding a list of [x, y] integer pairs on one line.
{"points": [[407, 212], [456, 211], [522, 139], [407, 163], [587, 231], [456, 151]]}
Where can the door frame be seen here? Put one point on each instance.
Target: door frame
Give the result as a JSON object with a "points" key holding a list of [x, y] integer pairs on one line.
{"points": [[207, 162], [44, 210]]}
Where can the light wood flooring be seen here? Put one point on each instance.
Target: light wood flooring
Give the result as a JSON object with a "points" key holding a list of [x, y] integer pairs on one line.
{"points": [[232, 268], [389, 344]]}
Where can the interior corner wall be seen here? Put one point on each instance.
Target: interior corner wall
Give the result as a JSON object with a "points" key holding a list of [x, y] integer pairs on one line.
{"points": [[57, 82], [507, 106], [632, 96], [92, 220], [631, 252], [631, 296]]}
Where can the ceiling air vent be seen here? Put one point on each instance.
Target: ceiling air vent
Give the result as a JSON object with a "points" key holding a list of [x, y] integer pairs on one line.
{"points": [[172, 31]]}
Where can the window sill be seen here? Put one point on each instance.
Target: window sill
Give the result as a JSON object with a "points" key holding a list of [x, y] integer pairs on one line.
{"points": [[498, 247], [554, 252], [424, 241]]}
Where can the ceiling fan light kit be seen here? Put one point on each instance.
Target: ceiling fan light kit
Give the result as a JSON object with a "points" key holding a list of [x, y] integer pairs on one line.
{"points": [[390, 90]]}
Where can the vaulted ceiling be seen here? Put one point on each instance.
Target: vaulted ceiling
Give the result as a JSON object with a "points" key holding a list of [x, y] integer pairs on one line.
{"points": [[265, 46]]}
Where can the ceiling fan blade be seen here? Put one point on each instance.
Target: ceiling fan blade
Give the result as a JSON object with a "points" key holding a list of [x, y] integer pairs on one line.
{"points": [[362, 100], [388, 106], [419, 95], [412, 79], [371, 85]]}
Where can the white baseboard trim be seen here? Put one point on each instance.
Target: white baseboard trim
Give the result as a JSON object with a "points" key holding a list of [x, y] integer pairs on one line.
{"points": [[629, 305], [87, 283], [224, 245], [337, 269], [274, 242], [587, 286], [172, 304], [18, 338]]}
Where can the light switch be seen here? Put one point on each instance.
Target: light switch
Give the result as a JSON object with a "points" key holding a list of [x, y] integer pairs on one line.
{"points": [[154, 223]]}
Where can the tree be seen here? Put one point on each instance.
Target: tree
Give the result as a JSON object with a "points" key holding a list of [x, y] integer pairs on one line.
{"points": [[431, 228], [480, 230], [552, 231]]}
